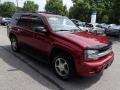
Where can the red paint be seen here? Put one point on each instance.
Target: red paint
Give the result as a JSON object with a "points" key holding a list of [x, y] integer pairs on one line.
{"points": [[74, 43]]}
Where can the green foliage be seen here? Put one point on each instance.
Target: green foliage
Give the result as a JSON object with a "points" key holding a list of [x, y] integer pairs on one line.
{"points": [[7, 9], [30, 6], [108, 10], [56, 6], [19, 8], [105, 19], [80, 10], [116, 11]]}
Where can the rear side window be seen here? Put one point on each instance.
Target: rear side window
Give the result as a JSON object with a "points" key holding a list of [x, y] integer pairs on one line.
{"points": [[23, 22]]}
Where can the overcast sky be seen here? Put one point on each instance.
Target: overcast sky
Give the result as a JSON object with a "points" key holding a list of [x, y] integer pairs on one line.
{"points": [[41, 3]]}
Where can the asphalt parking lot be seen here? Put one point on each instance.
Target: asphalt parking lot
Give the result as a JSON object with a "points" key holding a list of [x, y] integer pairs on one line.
{"points": [[20, 72]]}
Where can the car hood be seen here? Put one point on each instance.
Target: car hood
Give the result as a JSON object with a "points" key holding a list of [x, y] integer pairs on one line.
{"points": [[85, 39]]}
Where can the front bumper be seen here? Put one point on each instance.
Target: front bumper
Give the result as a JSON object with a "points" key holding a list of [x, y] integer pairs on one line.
{"points": [[91, 68]]}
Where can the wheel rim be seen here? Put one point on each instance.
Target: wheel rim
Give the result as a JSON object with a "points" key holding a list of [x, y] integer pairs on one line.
{"points": [[14, 44], [61, 67]]}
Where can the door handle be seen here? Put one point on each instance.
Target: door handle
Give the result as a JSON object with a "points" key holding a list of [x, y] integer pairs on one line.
{"points": [[19, 30]]}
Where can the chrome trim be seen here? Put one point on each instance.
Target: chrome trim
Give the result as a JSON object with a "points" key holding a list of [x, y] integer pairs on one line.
{"points": [[104, 53], [100, 47], [99, 55]]}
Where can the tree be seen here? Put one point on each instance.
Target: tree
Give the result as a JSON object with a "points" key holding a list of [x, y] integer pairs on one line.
{"points": [[116, 11], [80, 10], [105, 19], [19, 8], [30, 6], [7, 9], [56, 6]]}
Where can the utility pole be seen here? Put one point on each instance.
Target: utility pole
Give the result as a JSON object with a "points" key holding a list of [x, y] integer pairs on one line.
{"points": [[17, 4], [94, 13]]}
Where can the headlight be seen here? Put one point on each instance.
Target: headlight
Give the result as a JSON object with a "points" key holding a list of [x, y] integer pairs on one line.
{"points": [[91, 51], [91, 54]]}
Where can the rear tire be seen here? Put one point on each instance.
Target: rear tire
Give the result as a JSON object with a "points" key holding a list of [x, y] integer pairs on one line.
{"points": [[14, 44], [5, 24], [63, 66]]}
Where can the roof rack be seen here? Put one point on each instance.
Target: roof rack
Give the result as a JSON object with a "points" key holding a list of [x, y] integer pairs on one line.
{"points": [[46, 12], [25, 12], [37, 12]]}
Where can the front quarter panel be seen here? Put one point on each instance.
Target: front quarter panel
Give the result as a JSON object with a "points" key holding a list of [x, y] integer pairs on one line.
{"points": [[64, 44]]}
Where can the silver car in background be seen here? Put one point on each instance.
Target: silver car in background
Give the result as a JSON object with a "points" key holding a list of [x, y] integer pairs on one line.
{"points": [[96, 28], [80, 25], [5, 21], [113, 30]]}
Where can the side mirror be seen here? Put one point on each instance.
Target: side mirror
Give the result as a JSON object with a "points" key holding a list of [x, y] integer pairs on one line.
{"points": [[40, 29]]}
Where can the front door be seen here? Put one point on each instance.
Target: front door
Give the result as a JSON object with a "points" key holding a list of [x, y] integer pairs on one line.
{"points": [[41, 40]]}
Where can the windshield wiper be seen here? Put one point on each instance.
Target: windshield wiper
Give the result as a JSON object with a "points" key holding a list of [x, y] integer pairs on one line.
{"points": [[62, 30], [69, 30], [76, 30]]}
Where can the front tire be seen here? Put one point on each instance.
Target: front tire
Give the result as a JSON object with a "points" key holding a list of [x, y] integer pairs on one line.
{"points": [[63, 66], [14, 44]]}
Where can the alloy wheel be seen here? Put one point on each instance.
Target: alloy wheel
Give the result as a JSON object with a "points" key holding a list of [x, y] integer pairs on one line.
{"points": [[61, 67]]}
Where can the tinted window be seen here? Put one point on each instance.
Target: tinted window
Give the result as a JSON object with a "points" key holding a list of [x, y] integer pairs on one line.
{"points": [[23, 22], [36, 22], [89, 25], [99, 26]]}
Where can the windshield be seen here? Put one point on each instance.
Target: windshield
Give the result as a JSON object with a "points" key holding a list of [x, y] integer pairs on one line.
{"points": [[79, 23], [61, 23], [89, 25]]}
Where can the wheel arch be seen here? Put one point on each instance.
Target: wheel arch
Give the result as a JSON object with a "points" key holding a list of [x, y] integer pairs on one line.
{"points": [[57, 50], [11, 34]]}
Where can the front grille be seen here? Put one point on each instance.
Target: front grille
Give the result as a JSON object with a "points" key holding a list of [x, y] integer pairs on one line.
{"points": [[104, 53], [105, 48]]}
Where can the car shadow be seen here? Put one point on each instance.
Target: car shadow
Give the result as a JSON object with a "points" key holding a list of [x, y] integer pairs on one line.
{"points": [[45, 71]]}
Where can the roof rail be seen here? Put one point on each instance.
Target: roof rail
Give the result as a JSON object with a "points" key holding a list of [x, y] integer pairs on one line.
{"points": [[26, 12], [46, 12], [38, 12]]}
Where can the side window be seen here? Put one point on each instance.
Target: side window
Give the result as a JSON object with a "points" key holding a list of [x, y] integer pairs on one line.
{"points": [[23, 22], [36, 22]]}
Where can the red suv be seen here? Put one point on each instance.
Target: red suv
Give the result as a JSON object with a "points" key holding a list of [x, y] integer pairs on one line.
{"points": [[56, 38]]}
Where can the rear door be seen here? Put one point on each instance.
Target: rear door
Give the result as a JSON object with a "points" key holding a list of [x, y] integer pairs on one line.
{"points": [[24, 31]]}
